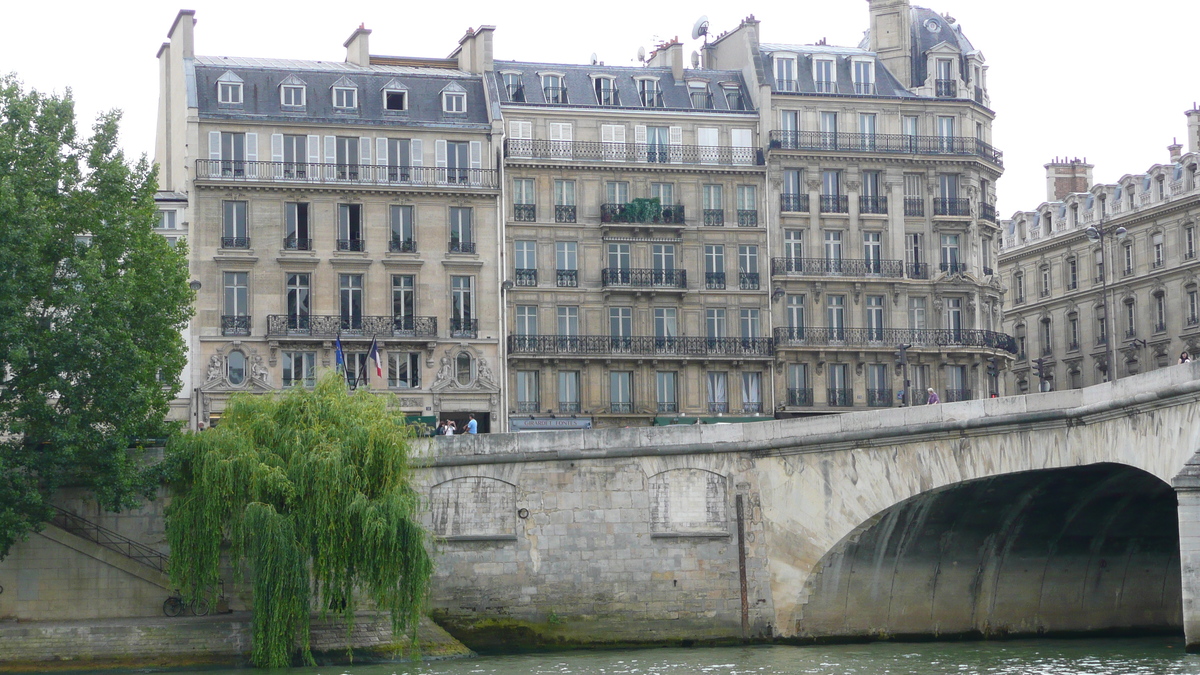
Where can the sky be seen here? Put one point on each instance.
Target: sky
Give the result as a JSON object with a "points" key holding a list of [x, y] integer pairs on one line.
{"points": [[1098, 79]]}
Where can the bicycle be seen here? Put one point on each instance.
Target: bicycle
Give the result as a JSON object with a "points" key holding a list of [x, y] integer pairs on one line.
{"points": [[174, 605]]}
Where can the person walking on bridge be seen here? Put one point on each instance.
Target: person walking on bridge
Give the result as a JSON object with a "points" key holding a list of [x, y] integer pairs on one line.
{"points": [[933, 397]]}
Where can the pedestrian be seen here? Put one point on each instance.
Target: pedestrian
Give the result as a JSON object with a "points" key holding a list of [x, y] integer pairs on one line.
{"points": [[450, 428], [933, 397], [441, 428], [472, 425], [1184, 357]]}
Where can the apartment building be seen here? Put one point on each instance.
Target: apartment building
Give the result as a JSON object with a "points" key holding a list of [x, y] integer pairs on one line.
{"points": [[1105, 273], [353, 202]]}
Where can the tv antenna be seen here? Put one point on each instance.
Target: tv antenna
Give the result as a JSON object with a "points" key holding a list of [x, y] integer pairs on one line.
{"points": [[641, 55], [700, 29]]}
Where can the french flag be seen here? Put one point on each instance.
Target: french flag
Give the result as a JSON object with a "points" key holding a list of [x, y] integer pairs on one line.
{"points": [[374, 355]]}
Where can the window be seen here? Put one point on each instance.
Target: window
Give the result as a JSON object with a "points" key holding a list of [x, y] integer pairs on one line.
{"points": [[829, 128], [298, 303], [568, 321], [400, 158], [620, 322], [946, 86], [1130, 319], [749, 320], [663, 257], [795, 314], [838, 379], [620, 391], [914, 200], [166, 220], [400, 218], [554, 89], [873, 251], [793, 244], [663, 192], [1189, 242], [875, 317], [462, 306], [234, 230], [792, 197], [714, 266], [1193, 305], [1156, 247], [1047, 338], [525, 262], [864, 77], [404, 301], [235, 367], [526, 320], [229, 89], [747, 205], [1099, 266], [350, 300], [799, 391], [715, 327], [835, 316], [1045, 290], [950, 253], [462, 239], [665, 389], [457, 161], [1160, 313], [700, 96], [395, 99], [404, 370], [295, 156], [568, 391], [1072, 274], [718, 392], [292, 96], [350, 227], [912, 251], [606, 91], [345, 97], [985, 247], [916, 313], [566, 260], [618, 256], [649, 93], [454, 101], [524, 209], [237, 299], [785, 73], [299, 369], [616, 192], [564, 201], [514, 88], [666, 324], [866, 131], [714, 213], [527, 391], [832, 199], [233, 153], [833, 246], [825, 75], [347, 157], [748, 275], [751, 392], [871, 199], [1073, 332], [954, 319]]}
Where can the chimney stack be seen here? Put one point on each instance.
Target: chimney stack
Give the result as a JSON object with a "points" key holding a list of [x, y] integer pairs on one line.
{"points": [[474, 52], [1064, 176], [891, 38], [1193, 117], [357, 47], [1176, 150], [669, 55], [181, 35]]}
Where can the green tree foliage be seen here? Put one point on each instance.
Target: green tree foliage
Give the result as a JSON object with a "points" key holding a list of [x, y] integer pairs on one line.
{"points": [[92, 302], [311, 489]]}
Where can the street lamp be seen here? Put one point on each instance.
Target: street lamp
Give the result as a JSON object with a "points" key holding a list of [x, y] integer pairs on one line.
{"points": [[1097, 234]]}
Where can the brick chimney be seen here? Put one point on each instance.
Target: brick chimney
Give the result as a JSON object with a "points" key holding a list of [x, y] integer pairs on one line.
{"points": [[357, 47], [1193, 117], [669, 55], [891, 37], [1176, 150], [1064, 176]]}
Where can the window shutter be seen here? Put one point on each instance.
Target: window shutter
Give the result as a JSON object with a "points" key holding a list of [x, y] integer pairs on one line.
{"points": [[276, 147], [676, 142], [331, 149], [214, 145], [556, 131], [608, 133], [416, 153], [364, 150], [476, 154], [439, 153], [314, 149], [381, 151], [639, 138], [520, 129], [251, 147]]}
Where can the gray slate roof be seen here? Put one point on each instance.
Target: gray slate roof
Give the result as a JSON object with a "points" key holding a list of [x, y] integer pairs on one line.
{"points": [[885, 83]]}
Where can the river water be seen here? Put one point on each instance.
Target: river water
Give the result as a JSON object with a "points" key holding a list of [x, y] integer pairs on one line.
{"points": [[1152, 656]]}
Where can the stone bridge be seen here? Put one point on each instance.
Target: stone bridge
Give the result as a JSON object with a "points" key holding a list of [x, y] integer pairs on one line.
{"points": [[1047, 514]]}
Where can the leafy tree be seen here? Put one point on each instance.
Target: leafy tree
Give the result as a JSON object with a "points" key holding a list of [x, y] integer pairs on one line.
{"points": [[92, 302], [312, 491]]}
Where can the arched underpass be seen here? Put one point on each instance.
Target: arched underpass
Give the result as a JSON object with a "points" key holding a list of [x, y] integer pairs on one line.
{"points": [[1084, 549]]}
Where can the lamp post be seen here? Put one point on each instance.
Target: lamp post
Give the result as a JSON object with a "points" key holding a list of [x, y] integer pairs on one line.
{"points": [[1097, 234]]}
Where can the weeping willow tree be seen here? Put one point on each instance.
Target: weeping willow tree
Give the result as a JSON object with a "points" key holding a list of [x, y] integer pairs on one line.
{"points": [[311, 491]]}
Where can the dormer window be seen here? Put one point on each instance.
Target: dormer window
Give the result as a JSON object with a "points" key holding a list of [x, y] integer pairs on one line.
{"points": [[606, 91], [825, 75], [649, 93], [513, 87], [395, 99], [229, 89], [554, 88], [733, 97], [454, 99], [785, 73], [864, 76], [345, 97], [700, 96], [946, 86], [291, 96]]}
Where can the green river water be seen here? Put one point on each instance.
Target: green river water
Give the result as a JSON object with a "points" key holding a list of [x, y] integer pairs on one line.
{"points": [[1156, 656]]}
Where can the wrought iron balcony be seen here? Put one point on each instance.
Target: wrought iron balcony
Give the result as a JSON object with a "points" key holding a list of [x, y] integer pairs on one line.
{"points": [[604, 345], [345, 174], [568, 407], [914, 206], [235, 324], [235, 242], [951, 206], [864, 88], [946, 88], [835, 204], [953, 267], [524, 213], [620, 407], [839, 398], [651, 99], [331, 325], [529, 406], [799, 397], [888, 338], [525, 277], [987, 212], [598, 151], [297, 244], [793, 202], [516, 92], [714, 281], [748, 281], [953, 395], [718, 407], [567, 278], [555, 95], [752, 407], [702, 100], [847, 267], [714, 217], [668, 406], [642, 278], [873, 204], [350, 244], [747, 217], [826, 86], [885, 143], [786, 86], [564, 213], [643, 212], [917, 270], [1073, 346], [608, 97], [464, 328], [398, 245], [879, 398], [457, 246]]}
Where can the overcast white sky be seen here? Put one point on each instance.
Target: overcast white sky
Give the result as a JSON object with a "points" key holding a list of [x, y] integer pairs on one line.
{"points": [[1095, 78]]}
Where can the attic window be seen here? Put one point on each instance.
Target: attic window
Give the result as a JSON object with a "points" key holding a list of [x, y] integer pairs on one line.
{"points": [[292, 95], [394, 99], [825, 75], [700, 95], [454, 101], [606, 91], [229, 89], [345, 97]]}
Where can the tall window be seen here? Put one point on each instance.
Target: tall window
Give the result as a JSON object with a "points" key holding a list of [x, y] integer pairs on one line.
{"points": [[866, 131], [526, 320], [299, 369], [799, 389], [525, 262], [528, 400], [874, 317], [616, 192], [462, 306], [553, 89], [793, 244], [914, 199], [1045, 289], [1127, 252], [566, 262], [785, 73], [401, 222], [618, 256], [718, 392], [916, 313], [350, 299], [879, 390], [233, 154], [235, 314], [462, 236], [295, 156], [748, 278], [404, 300], [564, 201], [751, 323], [235, 234], [296, 236], [606, 91], [1156, 245], [714, 206], [795, 314], [829, 127], [298, 301], [620, 391], [458, 161], [350, 227], [1160, 313], [568, 321], [1073, 332], [950, 252], [1193, 307], [400, 158], [663, 257], [873, 251], [524, 208], [513, 87], [668, 401], [620, 325], [1072, 274], [1189, 242], [347, 157], [825, 75], [751, 392], [714, 266], [747, 205], [835, 313], [568, 391], [714, 323], [864, 77], [404, 370], [666, 323], [833, 245], [954, 318]]}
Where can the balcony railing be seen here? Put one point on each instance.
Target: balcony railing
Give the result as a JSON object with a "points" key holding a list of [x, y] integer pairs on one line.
{"points": [[564, 213], [789, 86], [608, 96], [847, 267], [702, 100], [835, 204], [793, 202], [714, 217], [297, 244], [566, 278], [951, 206], [953, 395], [987, 212], [529, 406], [953, 267], [747, 218], [752, 407], [464, 328], [839, 398], [888, 338], [946, 88], [602, 345], [525, 277], [642, 212], [524, 213], [668, 406], [879, 398], [555, 95], [885, 143], [714, 281], [526, 148], [917, 270], [456, 246], [344, 174], [516, 92], [235, 242], [400, 245], [332, 325], [568, 407], [799, 397], [651, 99], [235, 324], [350, 244], [872, 204], [620, 407], [748, 281], [718, 407], [642, 278], [914, 206]]}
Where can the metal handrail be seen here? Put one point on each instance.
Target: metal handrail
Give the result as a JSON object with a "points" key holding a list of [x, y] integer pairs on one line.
{"points": [[344, 174], [639, 345], [527, 148], [889, 337], [838, 266], [885, 143], [113, 541]]}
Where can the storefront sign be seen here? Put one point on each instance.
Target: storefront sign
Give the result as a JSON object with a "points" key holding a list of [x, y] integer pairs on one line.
{"points": [[548, 423]]}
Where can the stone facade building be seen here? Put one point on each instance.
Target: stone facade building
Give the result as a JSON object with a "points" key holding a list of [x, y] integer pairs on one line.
{"points": [[560, 246], [1058, 276]]}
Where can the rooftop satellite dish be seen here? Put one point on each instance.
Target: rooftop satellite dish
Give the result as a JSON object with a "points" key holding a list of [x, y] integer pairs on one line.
{"points": [[642, 54], [701, 28], [595, 59], [695, 59]]}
